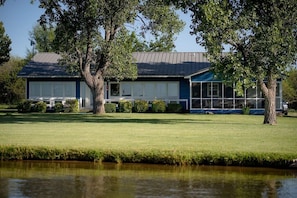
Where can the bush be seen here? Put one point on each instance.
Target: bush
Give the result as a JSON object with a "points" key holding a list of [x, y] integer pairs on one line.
{"points": [[245, 110], [174, 108], [140, 106], [25, 106], [40, 107], [158, 106], [71, 106], [110, 107], [125, 106], [58, 107]]}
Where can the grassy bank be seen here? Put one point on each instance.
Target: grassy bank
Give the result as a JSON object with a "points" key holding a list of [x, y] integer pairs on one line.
{"points": [[150, 138]]}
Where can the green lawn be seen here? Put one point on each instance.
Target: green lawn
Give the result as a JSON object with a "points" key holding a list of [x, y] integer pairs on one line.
{"points": [[171, 133]]}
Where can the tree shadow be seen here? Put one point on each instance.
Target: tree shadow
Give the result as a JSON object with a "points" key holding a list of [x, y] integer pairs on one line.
{"points": [[87, 118]]}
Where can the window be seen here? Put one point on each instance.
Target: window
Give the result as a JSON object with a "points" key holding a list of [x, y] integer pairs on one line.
{"points": [[137, 90], [214, 88], [34, 89], [196, 90], [173, 89], [126, 89], [115, 89], [161, 90]]}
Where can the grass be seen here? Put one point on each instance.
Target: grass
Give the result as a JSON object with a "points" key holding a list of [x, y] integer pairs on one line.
{"points": [[150, 138]]}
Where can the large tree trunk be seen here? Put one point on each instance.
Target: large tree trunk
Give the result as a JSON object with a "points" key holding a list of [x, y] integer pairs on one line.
{"points": [[98, 95], [269, 92]]}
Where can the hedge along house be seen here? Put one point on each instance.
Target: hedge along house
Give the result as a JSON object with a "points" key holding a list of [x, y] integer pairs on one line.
{"points": [[175, 77]]}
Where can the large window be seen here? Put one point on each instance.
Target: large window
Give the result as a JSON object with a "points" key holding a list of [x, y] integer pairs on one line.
{"points": [[146, 90], [43, 89], [215, 95]]}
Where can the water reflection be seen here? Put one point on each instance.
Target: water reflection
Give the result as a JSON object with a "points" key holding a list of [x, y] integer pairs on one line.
{"points": [[86, 179]]}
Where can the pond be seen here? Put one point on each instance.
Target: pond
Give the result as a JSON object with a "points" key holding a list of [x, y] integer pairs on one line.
{"points": [[87, 179]]}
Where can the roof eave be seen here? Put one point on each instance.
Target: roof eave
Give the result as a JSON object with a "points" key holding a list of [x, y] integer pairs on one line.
{"points": [[197, 73], [160, 76], [50, 77]]}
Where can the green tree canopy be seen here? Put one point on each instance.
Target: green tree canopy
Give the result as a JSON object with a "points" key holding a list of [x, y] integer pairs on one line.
{"points": [[12, 88], [290, 87], [247, 40], [93, 35], [43, 38], [4, 45]]}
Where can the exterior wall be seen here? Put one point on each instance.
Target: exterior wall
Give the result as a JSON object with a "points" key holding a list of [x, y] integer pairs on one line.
{"points": [[59, 90]]}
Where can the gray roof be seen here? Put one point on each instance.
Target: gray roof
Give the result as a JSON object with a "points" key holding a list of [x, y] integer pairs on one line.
{"points": [[45, 65], [175, 64], [150, 64]]}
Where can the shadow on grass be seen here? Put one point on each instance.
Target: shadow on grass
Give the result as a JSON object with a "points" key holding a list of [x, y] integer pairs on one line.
{"points": [[88, 118]]}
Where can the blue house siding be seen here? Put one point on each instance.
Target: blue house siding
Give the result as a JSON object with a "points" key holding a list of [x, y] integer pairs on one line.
{"points": [[77, 87], [184, 91]]}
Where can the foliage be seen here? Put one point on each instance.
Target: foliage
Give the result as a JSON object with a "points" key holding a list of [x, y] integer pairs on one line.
{"points": [[42, 38], [40, 106], [125, 106], [174, 108], [25, 106], [158, 106], [5, 43], [71, 106], [59, 107], [258, 37], [140, 106], [110, 107], [93, 36], [290, 87], [245, 110], [12, 88]]}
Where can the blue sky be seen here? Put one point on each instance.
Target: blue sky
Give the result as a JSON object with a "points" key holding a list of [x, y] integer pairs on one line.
{"points": [[19, 17]]}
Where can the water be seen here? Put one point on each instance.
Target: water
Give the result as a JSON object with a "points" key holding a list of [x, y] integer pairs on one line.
{"points": [[87, 179]]}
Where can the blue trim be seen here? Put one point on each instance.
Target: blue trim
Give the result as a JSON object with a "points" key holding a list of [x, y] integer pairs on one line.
{"points": [[206, 76], [77, 83], [28, 87], [184, 92], [228, 111]]}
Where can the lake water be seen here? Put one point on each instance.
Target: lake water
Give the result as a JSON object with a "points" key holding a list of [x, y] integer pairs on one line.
{"points": [[87, 179]]}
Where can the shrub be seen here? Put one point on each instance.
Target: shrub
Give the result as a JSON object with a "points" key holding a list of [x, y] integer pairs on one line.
{"points": [[158, 106], [71, 106], [245, 110], [125, 106], [174, 108], [110, 107], [58, 107], [25, 106], [140, 106], [40, 107]]}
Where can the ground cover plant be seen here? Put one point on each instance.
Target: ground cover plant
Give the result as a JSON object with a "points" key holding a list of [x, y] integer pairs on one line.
{"points": [[149, 138]]}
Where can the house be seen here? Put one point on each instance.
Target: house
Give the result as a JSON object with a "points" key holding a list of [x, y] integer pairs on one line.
{"points": [[175, 77]]}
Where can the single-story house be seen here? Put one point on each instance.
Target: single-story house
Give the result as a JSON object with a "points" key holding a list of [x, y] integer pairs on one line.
{"points": [[175, 77]]}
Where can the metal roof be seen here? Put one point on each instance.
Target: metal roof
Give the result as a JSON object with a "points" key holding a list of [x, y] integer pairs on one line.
{"points": [[171, 64], [149, 64]]}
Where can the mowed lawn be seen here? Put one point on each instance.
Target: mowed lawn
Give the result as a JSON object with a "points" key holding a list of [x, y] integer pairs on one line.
{"points": [[147, 132]]}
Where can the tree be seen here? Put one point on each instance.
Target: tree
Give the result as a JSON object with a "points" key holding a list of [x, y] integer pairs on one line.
{"points": [[4, 45], [12, 88], [258, 38], [43, 38], [290, 88], [92, 36]]}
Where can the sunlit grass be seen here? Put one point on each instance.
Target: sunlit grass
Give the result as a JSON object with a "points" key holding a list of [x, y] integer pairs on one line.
{"points": [[146, 132]]}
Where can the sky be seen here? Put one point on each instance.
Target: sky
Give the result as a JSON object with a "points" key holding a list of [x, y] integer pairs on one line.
{"points": [[20, 16]]}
